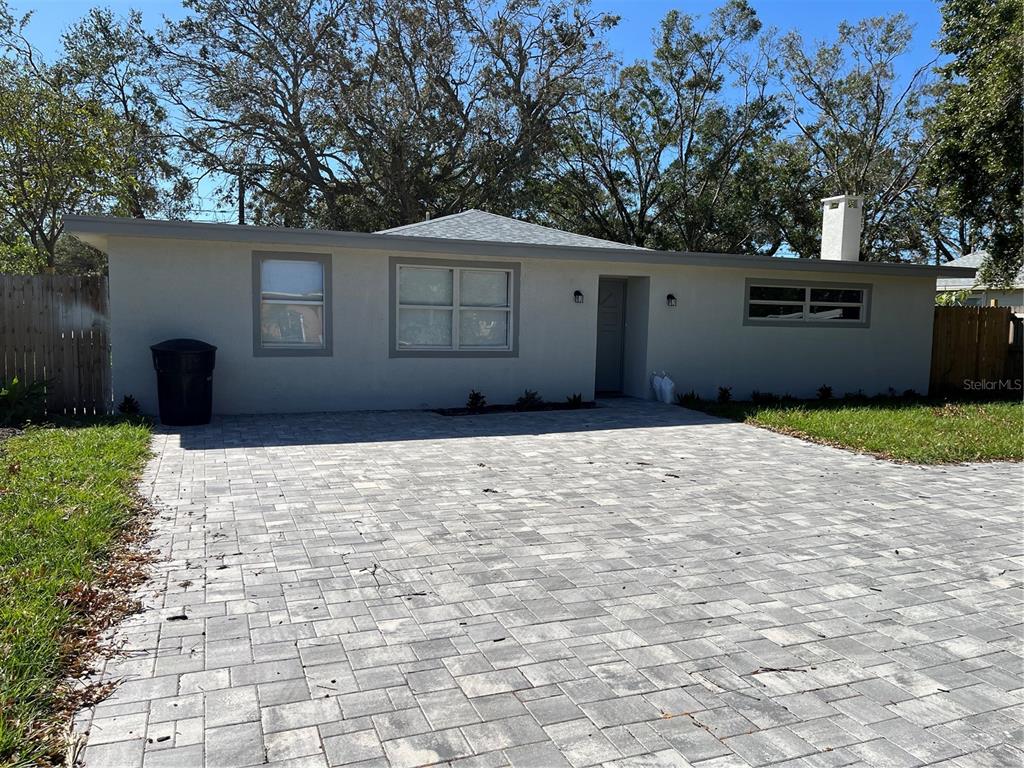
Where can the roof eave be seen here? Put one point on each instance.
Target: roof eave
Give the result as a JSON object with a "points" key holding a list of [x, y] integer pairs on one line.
{"points": [[96, 230], [955, 285]]}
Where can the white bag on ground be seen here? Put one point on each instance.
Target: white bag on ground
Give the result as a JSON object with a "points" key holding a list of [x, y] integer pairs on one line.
{"points": [[664, 388], [656, 384], [667, 393]]}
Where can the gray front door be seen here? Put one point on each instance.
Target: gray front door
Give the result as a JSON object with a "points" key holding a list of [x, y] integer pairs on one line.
{"points": [[611, 320]]}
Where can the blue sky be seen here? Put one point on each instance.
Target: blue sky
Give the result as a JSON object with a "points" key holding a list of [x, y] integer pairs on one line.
{"points": [[816, 19]]}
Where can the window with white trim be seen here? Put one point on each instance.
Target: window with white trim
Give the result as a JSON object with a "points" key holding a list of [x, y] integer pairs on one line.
{"points": [[292, 307], [463, 309], [782, 303]]}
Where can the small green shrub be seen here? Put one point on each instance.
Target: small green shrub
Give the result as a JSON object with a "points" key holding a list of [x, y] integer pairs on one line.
{"points": [[529, 401], [824, 392], [952, 298], [764, 398], [20, 402], [129, 406], [575, 400], [724, 394], [476, 401], [687, 399]]}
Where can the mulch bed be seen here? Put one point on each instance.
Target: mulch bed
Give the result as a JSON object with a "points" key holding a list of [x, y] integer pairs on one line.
{"points": [[511, 408]]}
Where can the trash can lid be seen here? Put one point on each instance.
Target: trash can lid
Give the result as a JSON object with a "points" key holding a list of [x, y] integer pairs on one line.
{"points": [[183, 345]]}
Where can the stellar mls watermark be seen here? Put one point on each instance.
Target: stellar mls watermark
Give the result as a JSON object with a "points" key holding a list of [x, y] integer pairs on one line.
{"points": [[994, 385]]}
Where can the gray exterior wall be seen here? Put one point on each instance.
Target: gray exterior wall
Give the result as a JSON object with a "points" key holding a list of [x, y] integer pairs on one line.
{"points": [[164, 288]]}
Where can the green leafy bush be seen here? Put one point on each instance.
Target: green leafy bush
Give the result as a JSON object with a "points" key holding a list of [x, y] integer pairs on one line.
{"points": [[476, 401], [575, 400], [952, 298], [20, 402], [529, 401], [688, 399], [724, 394], [129, 406]]}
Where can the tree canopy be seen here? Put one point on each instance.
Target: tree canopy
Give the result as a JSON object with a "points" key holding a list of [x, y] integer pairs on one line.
{"points": [[365, 114], [978, 162]]}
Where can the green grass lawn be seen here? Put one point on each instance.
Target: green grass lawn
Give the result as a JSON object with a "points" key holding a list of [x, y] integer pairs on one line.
{"points": [[67, 497], [923, 432]]}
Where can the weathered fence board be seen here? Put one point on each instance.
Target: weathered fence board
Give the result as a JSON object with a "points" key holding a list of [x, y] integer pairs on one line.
{"points": [[54, 328], [972, 348]]}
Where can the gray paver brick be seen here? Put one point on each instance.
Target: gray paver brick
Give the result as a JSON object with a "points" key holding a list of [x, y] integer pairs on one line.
{"points": [[448, 708], [404, 722], [646, 586], [118, 728], [234, 746], [353, 747], [227, 706], [501, 734], [284, 745], [125, 754], [488, 683], [554, 709], [178, 757], [299, 714], [620, 711], [542, 755], [582, 743], [427, 748]]}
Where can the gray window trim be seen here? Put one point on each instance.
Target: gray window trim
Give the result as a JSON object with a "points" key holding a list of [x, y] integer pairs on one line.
{"points": [[395, 261], [864, 322], [258, 350]]}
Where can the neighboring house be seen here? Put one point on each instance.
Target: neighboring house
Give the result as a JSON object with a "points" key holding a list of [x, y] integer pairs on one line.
{"points": [[981, 295], [414, 317]]}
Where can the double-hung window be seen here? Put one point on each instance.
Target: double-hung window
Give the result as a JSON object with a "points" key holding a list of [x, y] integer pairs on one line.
{"points": [[447, 308], [791, 303], [291, 313]]}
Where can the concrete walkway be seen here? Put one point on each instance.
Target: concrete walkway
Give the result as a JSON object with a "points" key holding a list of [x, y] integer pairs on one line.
{"points": [[636, 585]]}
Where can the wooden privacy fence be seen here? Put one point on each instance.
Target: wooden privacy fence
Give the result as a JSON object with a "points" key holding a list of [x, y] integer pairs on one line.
{"points": [[975, 349], [54, 328]]}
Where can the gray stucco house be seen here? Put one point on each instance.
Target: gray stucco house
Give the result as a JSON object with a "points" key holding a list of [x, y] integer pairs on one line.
{"points": [[416, 316], [977, 294]]}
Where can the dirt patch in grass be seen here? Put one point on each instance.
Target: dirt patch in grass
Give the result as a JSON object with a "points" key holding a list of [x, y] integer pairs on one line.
{"points": [[71, 555]]}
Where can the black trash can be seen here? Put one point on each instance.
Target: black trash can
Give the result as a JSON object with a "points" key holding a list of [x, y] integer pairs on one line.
{"points": [[184, 380]]}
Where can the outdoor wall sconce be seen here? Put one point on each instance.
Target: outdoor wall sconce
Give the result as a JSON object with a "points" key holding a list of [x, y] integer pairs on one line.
{"points": [[671, 300], [577, 296]]}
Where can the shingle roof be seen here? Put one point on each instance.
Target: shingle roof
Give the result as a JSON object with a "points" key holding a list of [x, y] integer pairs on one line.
{"points": [[480, 225], [972, 260]]}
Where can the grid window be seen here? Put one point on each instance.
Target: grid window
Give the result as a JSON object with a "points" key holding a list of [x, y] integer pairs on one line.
{"points": [[778, 304], [463, 309]]}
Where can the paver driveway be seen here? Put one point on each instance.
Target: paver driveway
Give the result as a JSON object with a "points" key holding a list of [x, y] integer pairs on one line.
{"points": [[633, 585]]}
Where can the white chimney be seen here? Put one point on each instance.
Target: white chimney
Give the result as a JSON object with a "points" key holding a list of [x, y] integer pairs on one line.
{"points": [[841, 221]]}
